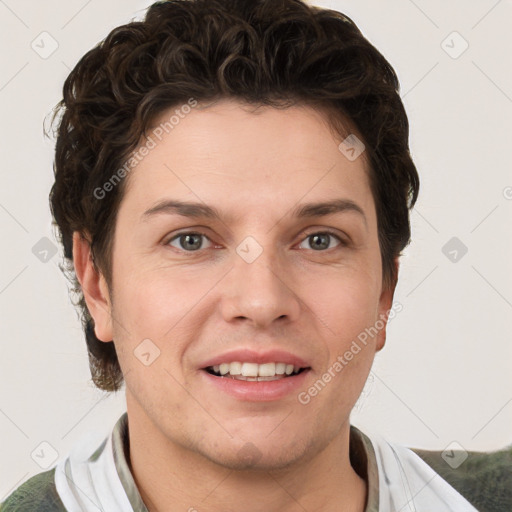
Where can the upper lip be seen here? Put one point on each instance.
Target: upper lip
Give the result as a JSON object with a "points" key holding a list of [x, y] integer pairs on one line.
{"points": [[246, 355]]}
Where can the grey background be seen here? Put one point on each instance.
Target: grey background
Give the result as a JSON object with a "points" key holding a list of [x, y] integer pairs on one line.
{"points": [[444, 375]]}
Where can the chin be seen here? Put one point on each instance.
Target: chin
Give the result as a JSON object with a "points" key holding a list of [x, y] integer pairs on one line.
{"points": [[250, 459], [263, 455]]}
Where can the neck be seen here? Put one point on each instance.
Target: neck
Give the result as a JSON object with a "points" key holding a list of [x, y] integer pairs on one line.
{"points": [[170, 476]]}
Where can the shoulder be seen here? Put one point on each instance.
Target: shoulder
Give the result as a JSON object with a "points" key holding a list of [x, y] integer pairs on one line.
{"points": [[483, 478], [37, 493]]}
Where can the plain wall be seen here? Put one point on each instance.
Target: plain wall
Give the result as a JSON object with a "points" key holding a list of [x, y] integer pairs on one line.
{"points": [[445, 373]]}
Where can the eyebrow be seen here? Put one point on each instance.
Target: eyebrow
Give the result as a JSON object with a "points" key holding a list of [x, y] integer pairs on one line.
{"points": [[201, 210]]}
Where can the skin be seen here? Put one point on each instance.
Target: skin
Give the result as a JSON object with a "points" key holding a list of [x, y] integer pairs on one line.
{"points": [[185, 435]]}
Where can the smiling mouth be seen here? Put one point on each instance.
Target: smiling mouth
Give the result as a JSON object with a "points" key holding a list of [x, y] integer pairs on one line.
{"points": [[254, 372]]}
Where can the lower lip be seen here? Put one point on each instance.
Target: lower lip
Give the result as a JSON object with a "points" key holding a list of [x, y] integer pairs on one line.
{"points": [[258, 391]]}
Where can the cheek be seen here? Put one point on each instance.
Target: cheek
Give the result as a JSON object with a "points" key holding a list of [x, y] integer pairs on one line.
{"points": [[155, 298], [345, 306], [348, 307], [163, 305]]}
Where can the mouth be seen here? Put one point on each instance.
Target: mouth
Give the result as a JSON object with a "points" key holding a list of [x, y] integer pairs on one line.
{"points": [[255, 376], [254, 372]]}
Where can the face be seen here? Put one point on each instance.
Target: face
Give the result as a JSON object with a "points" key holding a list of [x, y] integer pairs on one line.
{"points": [[253, 275]]}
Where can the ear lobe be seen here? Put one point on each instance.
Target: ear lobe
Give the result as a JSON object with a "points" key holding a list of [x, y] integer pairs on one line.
{"points": [[94, 287], [385, 304]]}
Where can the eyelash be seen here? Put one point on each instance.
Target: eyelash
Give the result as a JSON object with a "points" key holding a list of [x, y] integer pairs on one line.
{"points": [[342, 243]]}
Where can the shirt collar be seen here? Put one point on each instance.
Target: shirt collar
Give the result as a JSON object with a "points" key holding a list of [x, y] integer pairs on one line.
{"points": [[362, 458]]}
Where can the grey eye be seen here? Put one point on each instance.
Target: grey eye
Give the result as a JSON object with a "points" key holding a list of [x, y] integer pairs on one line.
{"points": [[189, 242], [320, 241]]}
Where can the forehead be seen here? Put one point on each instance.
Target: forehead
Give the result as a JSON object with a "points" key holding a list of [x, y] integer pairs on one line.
{"points": [[245, 156]]}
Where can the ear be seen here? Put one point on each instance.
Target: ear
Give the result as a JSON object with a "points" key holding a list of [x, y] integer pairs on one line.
{"points": [[385, 304], [94, 287]]}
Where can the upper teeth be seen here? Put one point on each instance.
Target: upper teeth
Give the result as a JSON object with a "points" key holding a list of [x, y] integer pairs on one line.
{"points": [[255, 370]]}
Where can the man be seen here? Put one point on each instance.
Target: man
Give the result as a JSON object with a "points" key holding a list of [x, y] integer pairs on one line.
{"points": [[232, 190]]}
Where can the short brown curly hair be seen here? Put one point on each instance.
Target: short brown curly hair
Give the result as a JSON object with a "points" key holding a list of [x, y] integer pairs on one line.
{"points": [[263, 52]]}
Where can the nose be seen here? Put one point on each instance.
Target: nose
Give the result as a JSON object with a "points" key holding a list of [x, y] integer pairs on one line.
{"points": [[260, 292]]}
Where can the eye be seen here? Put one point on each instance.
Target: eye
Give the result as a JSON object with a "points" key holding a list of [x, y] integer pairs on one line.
{"points": [[321, 240], [193, 241], [189, 241]]}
